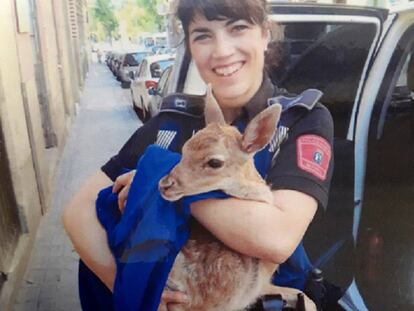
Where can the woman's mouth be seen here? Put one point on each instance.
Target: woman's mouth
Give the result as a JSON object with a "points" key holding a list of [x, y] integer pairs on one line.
{"points": [[226, 71]]}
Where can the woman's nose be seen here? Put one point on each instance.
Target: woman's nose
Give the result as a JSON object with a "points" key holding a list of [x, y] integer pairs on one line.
{"points": [[223, 46]]}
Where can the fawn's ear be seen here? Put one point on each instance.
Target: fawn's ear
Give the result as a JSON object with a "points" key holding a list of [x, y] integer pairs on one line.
{"points": [[212, 110], [261, 129]]}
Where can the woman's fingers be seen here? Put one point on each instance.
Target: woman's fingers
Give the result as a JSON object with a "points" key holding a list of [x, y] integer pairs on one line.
{"points": [[169, 296], [121, 186], [122, 198], [162, 307], [123, 180]]}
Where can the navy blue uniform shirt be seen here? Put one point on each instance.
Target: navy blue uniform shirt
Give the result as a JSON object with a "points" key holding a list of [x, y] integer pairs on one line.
{"points": [[302, 146]]}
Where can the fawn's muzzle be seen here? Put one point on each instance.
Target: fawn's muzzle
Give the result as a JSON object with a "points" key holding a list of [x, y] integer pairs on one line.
{"points": [[166, 183], [168, 188]]}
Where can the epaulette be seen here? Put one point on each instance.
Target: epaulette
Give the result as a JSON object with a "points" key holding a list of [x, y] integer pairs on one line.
{"points": [[308, 99], [191, 105]]}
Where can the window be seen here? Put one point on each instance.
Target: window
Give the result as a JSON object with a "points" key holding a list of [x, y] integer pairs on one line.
{"points": [[161, 41], [326, 56], [142, 69], [157, 68], [135, 58], [163, 83]]}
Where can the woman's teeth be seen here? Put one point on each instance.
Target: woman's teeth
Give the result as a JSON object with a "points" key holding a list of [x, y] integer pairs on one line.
{"points": [[229, 70]]}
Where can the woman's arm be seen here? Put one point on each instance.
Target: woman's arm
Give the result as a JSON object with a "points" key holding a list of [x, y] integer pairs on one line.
{"points": [[89, 237], [85, 231], [270, 232]]}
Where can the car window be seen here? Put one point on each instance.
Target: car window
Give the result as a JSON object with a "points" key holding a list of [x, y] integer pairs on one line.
{"points": [[326, 56], [142, 68], [157, 68], [163, 82], [161, 41], [148, 42], [129, 60], [133, 59]]}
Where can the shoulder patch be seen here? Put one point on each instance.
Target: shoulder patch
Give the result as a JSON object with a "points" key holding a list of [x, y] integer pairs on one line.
{"points": [[191, 105], [313, 155], [308, 99]]}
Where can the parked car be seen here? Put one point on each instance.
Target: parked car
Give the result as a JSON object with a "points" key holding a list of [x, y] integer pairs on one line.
{"points": [[159, 91], [363, 60], [146, 77], [116, 64], [129, 63], [113, 62], [108, 57]]}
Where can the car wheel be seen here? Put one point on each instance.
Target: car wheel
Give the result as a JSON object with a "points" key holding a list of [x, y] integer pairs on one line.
{"points": [[125, 84], [143, 113]]}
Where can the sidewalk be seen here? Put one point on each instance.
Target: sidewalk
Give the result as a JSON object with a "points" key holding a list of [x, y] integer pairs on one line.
{"points": [[104, 122]]}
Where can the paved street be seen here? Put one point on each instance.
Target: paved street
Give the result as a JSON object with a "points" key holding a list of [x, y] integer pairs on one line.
{"points": [[104, 121]]}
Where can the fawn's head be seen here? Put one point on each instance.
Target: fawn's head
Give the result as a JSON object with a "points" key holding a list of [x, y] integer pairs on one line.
{"points": [[219, 156]]}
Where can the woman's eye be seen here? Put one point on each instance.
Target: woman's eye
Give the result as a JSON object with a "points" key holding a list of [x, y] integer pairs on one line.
{"points": [[200, 37], [239, 28], [215, 163]]}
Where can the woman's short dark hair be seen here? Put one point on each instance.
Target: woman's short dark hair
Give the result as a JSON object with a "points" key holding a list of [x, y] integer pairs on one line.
{"points": [[253, 11]]}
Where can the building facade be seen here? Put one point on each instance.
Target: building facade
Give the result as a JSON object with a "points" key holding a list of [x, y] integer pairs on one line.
{"points": [[43, 63]]}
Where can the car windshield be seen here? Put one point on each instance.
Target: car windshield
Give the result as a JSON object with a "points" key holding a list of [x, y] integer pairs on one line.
{"points": [[133, 59], [161, 41], [148, 42], [158, 67], [326, 56]]}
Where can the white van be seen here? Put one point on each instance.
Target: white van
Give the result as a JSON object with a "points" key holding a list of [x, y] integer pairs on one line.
{"points": [[362, 58]]}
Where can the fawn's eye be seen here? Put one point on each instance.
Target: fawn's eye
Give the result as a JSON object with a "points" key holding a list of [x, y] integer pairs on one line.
{"points": [[215, 163]]}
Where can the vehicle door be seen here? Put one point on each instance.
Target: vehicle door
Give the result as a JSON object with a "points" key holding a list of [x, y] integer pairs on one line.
{"points": [[161, 91], [330, 49], [135, 84], [385, 142]]}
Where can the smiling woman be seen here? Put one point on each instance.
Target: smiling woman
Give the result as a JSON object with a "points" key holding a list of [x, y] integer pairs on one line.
{"points": [[227, 43], [227, 40]]}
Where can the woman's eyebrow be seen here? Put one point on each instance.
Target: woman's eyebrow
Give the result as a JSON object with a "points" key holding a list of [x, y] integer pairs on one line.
{"points": [[231, 21], [200, 29], [206, 29]]}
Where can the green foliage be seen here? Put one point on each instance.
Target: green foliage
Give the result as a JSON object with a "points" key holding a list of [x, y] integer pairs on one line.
{"points": [[127, 16], [149, 20], [104, 13]]}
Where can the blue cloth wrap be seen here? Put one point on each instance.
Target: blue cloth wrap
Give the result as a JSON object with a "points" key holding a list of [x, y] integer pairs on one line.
{"points": [[146, 239], [150, 233]]}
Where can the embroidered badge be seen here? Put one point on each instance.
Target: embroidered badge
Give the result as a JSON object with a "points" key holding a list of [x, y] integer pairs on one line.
{"points": [[313, 155], [278, 138], [165, 138]]}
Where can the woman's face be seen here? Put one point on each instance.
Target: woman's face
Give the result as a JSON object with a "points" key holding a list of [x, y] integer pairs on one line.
{"points": [[229, 54]]}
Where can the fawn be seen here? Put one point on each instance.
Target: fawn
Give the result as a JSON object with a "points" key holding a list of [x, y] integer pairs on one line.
{"points": [[215, 277]]}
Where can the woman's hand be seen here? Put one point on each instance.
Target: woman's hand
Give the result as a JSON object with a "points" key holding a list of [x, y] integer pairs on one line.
{"points": [[170, 298], [121, 186]]}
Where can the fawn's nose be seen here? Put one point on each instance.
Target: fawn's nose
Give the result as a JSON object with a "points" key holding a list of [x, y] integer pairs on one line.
{"points": [[166, 183]]}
